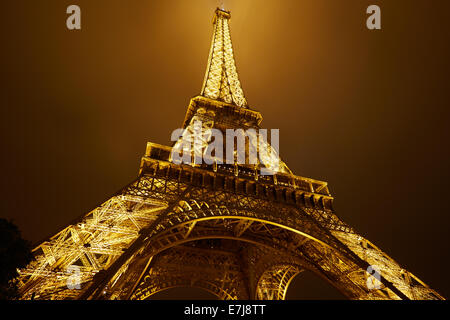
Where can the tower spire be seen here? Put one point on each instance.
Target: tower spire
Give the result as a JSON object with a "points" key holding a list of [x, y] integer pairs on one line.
{"points": [[221, 78]]}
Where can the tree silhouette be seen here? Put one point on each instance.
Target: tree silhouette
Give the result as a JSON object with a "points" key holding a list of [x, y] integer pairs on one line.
{"points": [[14, 253]]}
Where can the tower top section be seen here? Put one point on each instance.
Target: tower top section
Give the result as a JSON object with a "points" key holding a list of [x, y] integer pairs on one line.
{"points": [[221, 78]]}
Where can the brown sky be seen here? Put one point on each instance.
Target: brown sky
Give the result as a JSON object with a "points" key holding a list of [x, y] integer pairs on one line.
{"points": [[366, 111]]}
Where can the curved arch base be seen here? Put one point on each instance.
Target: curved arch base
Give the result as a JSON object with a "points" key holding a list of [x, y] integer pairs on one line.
{"points": [[220, 267]]}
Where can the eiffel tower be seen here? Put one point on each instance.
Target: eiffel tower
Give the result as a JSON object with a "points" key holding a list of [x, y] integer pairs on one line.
{"points": [[224, 228]]}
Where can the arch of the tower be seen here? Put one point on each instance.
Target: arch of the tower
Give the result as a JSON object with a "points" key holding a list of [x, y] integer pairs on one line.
{"points": [[195, 264], [152, 286], [263, 282], [229, 269], [274, 282]]}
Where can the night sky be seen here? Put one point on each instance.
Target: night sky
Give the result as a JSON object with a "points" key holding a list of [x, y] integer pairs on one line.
{"points": [[365, 110]]}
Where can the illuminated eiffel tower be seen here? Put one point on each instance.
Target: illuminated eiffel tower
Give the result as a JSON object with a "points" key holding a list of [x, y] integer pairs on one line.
{"points": [[225, 228]]}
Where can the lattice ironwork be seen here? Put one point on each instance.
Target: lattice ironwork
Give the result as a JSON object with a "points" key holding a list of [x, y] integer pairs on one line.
{"points": [[221, 79], [221, 227]]}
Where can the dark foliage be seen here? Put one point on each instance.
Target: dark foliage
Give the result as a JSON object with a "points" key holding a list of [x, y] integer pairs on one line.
{"points": [[14, 253]]}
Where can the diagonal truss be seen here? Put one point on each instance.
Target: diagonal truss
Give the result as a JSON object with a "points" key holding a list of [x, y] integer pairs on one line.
{"points": [[221, 227], [221, 78], [196, 208]]}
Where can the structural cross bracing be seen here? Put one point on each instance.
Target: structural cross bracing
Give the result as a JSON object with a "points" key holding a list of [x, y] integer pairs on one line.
{"points": [[224, 228], [221, 78]]}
